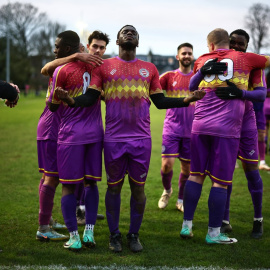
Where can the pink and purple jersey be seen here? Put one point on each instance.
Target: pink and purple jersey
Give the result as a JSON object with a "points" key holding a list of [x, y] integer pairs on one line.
{"points": [[127, 86], [78, 125], [178, 121], [48, 123], [256, 79], [223, 118]]}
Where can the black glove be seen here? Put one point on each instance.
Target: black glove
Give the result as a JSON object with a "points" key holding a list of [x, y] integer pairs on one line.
{"points": [[213, 67], [230, 92]]}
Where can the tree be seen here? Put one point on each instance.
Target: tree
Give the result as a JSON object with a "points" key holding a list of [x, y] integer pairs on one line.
{"points": [[32, 38], [21, 21], [258, 23]]}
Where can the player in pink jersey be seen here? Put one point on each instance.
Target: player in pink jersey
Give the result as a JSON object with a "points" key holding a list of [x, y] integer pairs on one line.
{"points": [[177, 126], [128, 85], [248, 148], [47, 134], [215, 133], [49, 122], [79, 150]]}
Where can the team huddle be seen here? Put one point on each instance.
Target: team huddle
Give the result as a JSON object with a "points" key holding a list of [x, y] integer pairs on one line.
{"points": [[210, 121]]}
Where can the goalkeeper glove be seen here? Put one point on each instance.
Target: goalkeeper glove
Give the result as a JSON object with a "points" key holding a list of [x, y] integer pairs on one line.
{"points": [[213, 67], [230, 92]]}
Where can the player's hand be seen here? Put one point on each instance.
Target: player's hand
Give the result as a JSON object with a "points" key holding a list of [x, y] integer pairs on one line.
{"points": [[194, 96], [63, 95], [93, 60], [230, 92], [11, 104], [213, 67], [16, 87]]}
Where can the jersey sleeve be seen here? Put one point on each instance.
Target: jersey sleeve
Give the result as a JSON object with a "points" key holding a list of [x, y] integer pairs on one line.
{"points": [[258, 61], [58, 80], [155, 87], [163, 79], [196, 64], [257, 79], [96, 79]]}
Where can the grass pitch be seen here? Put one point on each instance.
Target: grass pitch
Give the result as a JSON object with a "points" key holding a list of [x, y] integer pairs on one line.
{"points": [[159, 234]]}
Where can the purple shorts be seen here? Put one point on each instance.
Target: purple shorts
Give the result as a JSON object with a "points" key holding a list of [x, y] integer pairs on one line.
{"points": [[173, 147], [79, 162], [132, 157], [47, 157], [214, 156], [248, 147], [260, 120]]}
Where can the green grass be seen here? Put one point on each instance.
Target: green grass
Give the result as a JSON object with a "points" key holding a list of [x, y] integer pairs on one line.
{"points": [[19, 179]]}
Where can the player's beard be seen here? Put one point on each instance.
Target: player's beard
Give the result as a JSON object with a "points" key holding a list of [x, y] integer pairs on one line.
{"points": [[128, 46], [184, 63]]}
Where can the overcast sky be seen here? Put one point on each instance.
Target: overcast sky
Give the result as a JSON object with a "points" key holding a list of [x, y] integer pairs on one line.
{"points": [[162, 25]]}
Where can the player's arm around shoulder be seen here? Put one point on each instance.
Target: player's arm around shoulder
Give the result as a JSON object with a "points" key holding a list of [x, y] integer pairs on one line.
{"points": [[54, 101]]}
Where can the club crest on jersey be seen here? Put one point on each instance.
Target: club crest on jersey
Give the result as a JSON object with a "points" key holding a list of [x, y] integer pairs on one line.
{"points": [[144, 72]]}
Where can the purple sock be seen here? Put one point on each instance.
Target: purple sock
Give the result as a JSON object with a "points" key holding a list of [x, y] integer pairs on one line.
{"points": [[113, 202], [227, 207], [46, 196], [216, 205], [136, 215], [192, 194], [166, 179], [91, 204], [181, 184], [79, 193], [68, 205], [40, 185], [255, 187]]}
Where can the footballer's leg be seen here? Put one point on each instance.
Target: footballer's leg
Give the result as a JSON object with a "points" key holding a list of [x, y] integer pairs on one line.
{"points": [[71, 167], [221, 174], [262, 146], [248, 154], [166, 176], [115, 160], [139, 159], [184, 151], [170, 151], [48, 164], [183, 177], [93, 163], [199, 151]]}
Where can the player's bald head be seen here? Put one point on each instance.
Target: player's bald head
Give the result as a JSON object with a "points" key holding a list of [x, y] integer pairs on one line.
{"points": [[219, 37]]}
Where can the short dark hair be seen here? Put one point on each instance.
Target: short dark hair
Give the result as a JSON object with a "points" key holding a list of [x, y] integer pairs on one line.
{"points": [[100, 36], [241, 32], [70, 38], [124, 27], [186, 44]]}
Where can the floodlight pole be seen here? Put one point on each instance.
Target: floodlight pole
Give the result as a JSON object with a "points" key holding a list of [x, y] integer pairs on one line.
{"points": [[8, 56]]}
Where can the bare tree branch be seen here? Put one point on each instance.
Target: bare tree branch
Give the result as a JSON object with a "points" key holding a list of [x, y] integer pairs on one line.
{"points": [[258, 22]]}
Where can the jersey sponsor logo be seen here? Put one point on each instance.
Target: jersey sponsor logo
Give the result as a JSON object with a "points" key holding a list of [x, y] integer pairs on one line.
{"points": [[144, 72], [113, 71], [174, 83]]}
